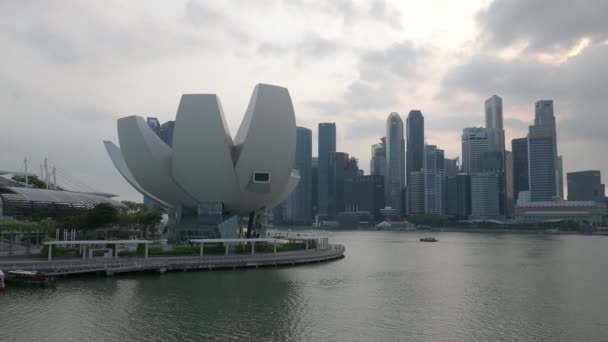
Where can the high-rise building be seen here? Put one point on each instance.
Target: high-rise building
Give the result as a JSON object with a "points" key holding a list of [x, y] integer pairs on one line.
{"points": [[378, 162], [434, 179], [341, 166], [493, 163], [395, 161], [364, 193], [541, 164], [451, 167], [298, 206], [485, 196], [475, 142], [315, 185], [493, 111], [544, 117], [416, 193], [519, 149], [414, 156], [166, 132], [458, 193], [586, 186], [510, 205], [326, 146], [560, 176]]}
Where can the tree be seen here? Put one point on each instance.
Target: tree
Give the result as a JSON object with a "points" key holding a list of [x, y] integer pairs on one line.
{"points": [[33, 180], [138, 215], [101, 215]]}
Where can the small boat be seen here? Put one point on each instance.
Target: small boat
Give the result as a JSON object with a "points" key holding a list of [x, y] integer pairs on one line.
{"points": [[428, 239], [29, 277], [1, 281]]}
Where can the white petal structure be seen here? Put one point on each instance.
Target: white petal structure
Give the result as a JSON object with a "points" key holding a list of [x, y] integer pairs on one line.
{"points": [[204, 166]]}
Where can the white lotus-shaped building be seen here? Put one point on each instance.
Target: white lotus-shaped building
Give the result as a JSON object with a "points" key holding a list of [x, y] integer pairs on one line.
{"points": [[206, 174]]}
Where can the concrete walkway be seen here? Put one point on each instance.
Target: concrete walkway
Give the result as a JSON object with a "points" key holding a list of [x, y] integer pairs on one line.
{"points": [[174, 263]]}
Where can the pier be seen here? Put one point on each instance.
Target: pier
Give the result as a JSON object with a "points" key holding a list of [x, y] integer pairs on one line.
{"points": [[58, 267]]}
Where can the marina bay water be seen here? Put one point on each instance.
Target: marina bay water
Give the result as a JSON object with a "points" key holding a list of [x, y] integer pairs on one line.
{"points": [[390, 287]]}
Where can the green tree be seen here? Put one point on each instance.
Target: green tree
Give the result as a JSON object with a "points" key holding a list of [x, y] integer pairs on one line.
{"points": [[139, 216], [33, 180], [101, 215]]}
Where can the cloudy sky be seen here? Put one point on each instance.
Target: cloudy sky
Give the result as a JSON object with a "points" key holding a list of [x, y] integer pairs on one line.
{"points": [[69, 69]]}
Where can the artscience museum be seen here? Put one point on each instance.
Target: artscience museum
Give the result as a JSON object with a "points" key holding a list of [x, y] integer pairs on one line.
{"points": [[211, 184]]}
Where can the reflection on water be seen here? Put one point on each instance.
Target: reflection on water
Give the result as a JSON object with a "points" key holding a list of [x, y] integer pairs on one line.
{"points": [[466, 287]]}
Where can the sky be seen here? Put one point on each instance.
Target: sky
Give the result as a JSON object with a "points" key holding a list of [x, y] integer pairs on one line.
{"points": [[70, 69]]}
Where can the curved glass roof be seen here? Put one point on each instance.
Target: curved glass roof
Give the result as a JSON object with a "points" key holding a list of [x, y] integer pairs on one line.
{"points": [[56, 196]]}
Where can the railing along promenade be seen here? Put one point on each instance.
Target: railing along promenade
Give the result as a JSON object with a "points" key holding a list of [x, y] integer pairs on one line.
{"points": [[173, 263]]}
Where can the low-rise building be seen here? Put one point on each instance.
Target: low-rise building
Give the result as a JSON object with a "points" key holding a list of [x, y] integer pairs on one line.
{"points": [[578, 211]]}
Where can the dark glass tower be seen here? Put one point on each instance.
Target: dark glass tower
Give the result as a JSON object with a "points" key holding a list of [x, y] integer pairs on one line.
{"points": [[520, 166], [541, 164], [326, 146]]}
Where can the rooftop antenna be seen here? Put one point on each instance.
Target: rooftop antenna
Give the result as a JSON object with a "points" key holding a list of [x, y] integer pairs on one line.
{"points": [[54, 179]]}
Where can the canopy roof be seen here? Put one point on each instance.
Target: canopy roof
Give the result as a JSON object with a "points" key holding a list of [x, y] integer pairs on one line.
{"points": [[98, 242], [56, 196]]}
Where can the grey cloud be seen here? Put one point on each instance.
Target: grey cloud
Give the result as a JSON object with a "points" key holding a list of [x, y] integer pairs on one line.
{"points": [[546, 25], [351, 13], [310, 47], [383, 76]]}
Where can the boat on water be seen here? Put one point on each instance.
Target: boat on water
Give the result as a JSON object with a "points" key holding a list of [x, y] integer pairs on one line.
{"points": [[428, 239], [29, 277], [1, 281]]}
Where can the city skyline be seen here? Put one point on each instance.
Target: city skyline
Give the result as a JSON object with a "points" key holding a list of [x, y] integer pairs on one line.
{"points": [[445, 67]]}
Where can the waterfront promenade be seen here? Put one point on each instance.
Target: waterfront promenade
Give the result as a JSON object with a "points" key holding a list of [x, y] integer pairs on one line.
{"points": [[174, 263]]}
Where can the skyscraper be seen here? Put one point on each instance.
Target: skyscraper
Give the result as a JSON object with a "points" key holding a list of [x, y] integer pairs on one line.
{"points": [[541, 164], [475, 142], [315, 185], [340, 168], [298, 206], [485, 197], [414, 156], [326, 145], [493, 110], [560, 176], [378, 162], [544, 117], [510, 205], [364, 193], [586, 186], [416, 193], [451, 167], [458, 196], [395, 161], [434, 179], [519, 148]]}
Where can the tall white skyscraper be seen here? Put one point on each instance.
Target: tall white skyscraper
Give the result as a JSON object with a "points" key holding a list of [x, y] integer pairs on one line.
{"points": [[434, 180], [395, 162], [475, 142]]}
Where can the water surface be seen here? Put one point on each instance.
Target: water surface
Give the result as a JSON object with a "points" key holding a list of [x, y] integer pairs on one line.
{"points": [[390, 287]]}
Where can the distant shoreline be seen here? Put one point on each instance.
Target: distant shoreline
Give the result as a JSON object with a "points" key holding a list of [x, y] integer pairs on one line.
{"points": [[452, 230]]}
